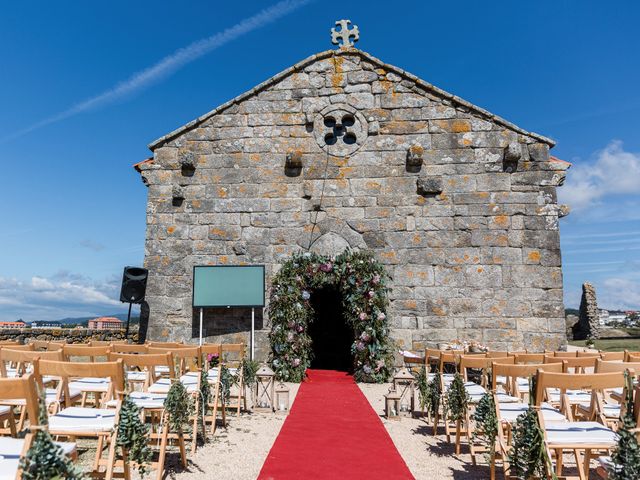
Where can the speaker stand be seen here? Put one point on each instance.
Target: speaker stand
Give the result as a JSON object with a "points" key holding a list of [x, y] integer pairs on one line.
{"points": [[126, 333]]}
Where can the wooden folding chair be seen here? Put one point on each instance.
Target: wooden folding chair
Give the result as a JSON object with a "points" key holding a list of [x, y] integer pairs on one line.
{"points": [[13, 449], [188, 368], [611, 402], [480, 364], [94, 387], [234, 364], [579, 437], [98, 423], [516, 376], [213, 377], [152, 403], [24, 361]]}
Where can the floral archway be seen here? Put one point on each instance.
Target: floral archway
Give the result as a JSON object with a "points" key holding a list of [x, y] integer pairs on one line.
{"points": [[362, 283]]}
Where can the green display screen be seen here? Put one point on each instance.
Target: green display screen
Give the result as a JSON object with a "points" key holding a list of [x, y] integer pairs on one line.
{"points": [[228, 286]]}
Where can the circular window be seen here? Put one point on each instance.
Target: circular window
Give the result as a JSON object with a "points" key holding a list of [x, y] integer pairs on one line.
{"points": [[340, 130]]}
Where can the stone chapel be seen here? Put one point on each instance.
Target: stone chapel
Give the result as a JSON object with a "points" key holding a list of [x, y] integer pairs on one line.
{"points": [[342, 150]]}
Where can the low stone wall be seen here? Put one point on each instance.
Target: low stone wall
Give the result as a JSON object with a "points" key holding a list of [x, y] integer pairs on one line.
{"points": [[75, 335]]}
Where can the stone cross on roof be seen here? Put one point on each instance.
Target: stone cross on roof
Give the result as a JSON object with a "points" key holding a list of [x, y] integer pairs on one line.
{"points": [[345, 34]]}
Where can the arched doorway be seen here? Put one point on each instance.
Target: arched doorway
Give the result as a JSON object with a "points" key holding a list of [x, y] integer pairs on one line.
{"points": [[332, 307], [331, 336]]}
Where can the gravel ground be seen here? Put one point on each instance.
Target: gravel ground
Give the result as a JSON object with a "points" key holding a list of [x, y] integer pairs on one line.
{"points": [[427, 457]]}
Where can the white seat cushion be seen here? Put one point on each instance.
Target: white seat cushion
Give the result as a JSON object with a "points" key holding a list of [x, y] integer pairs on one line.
{"points": [[10, 450], [509, 412], [75, 419], [4, 409], [580, 433], [50, 397], [162, 386], [90, 384], [505, 398], [611, 410], [134, 376], [575, 396]]}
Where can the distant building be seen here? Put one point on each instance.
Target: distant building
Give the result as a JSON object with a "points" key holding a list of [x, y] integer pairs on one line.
{"points": [[18, 324], [45, 324], [610, 317], [105, 323]]}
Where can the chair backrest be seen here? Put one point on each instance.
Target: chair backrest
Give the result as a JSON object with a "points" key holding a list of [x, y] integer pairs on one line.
{"points": [[128, 348], [4, 343], [565, 354], [24, 387], [22, 359], [189, 359], [577, 381], [146, 362], [613, 356], [233, 353], [449, 357], [514, 371], [48, 344], [529, 357], [589, 354], [603, 366], [70, 370], [574, 364], [84, 351], [26, 348], [99, 343], [632, 357], [168, 344], [479, 362], [498, 354]]}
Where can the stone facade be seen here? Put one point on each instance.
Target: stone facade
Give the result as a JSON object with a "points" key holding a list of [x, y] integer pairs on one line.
{"points": [[343, 150]]}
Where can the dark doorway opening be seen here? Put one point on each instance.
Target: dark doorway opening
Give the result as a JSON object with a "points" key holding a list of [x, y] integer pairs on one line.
{"points": [[330, 335]]}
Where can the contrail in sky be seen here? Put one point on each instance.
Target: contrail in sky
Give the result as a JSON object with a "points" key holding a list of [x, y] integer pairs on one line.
{"points": [[170, 64]]}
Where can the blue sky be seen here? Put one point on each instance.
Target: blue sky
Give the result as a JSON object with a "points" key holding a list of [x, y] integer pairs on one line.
{"points": [[86, 86]]}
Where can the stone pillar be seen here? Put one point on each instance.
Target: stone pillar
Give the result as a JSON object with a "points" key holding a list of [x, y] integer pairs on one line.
{"points": [[589, 324]]}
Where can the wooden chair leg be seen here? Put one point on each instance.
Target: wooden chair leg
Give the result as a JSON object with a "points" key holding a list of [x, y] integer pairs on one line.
{"points": [[559, 462], [183, 452], [458, 428], [163, 449], [587, 462], [98, 456], [111, 459]]}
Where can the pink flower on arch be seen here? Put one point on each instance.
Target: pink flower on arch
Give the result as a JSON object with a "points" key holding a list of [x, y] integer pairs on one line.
{"points": [[363, 316]]}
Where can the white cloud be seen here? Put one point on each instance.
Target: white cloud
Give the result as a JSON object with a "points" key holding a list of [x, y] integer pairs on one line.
{"points": [[612, 172], [170, 64], [92, 245], [62, 295], [619, 293]]}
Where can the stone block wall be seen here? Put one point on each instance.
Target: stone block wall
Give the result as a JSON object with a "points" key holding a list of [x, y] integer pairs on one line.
{"points": [[470, 237]]}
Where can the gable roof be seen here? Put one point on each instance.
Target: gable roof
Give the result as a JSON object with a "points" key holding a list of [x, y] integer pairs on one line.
{"points": [[455, 100]]}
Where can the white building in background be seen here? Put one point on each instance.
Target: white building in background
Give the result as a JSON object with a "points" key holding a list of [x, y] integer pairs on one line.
{"points": [[603, 317], [610, 317]]}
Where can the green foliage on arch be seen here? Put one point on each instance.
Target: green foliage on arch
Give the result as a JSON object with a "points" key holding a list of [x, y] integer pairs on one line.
{"points": [[362, 282]]}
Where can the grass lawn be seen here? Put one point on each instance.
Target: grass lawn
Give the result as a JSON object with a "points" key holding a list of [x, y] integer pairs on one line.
{"points": [[612, 344]]}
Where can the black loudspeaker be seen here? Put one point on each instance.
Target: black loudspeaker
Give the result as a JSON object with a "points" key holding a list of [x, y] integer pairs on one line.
{"points": [[134, 284]]}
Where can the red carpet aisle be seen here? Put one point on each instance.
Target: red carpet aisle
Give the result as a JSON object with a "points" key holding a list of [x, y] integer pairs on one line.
{"points": [[333, 433]]}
